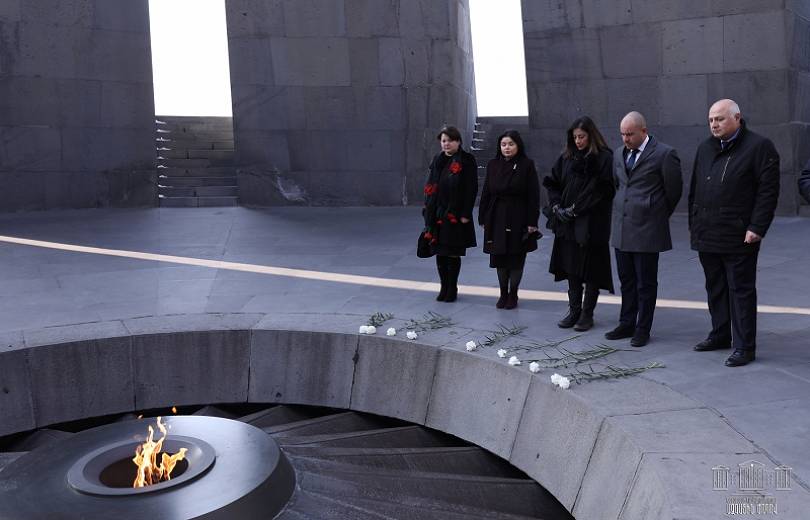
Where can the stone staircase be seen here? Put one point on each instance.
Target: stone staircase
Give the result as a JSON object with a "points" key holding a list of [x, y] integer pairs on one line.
{"points": [[195, 157]]}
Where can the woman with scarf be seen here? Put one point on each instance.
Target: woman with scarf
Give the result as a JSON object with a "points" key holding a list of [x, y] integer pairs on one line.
{"points": [[580, 191], [450, 193], [509, 209]]}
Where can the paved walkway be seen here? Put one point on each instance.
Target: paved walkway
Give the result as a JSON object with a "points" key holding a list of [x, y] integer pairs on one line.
{"points": [[331, 268]]}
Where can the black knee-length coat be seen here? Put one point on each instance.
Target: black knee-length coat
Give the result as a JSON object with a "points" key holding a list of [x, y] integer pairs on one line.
{"points": [[510, 200], [581, 250], [450, 193]]}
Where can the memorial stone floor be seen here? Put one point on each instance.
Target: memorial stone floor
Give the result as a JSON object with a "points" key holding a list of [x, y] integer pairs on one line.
{"points": [[329, 269]]}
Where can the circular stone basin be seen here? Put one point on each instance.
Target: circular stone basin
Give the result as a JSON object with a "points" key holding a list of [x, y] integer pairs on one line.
{"points": [[234, 470]]}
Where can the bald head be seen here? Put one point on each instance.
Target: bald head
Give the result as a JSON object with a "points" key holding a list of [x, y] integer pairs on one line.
{"points": [[634, 130], [724, 118]]}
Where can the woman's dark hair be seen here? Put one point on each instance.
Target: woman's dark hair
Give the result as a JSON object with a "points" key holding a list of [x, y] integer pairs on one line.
{"points": [[595, 140], [515, 136], [451, 132]]}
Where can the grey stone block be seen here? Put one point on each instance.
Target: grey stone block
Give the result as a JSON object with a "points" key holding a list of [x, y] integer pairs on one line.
{"points": [[302, 367], [260, 107], [81, 379], [342, 187], [744, 48], [99, 149], [190, 323], [693, 46], [16, 404], [255, 18], [363, 55], [626, 94], [572, 55], [28, 101], [650, 396], [798, 40], [661, 10], [327, 63], [631, 50], [30, 148], [487, 415], [684, 100], [545, 15], [319, 18], [190, 368], [366, 18], [10, 11], [380, 108], [624, 440], [54, 12], [729, 7], [391, 61], [127, 105], [598, 13], [545, 447], [75, 333], [268, 148], [251, 61], [393, 378], [763, 96], [122, 15], [416, 55]]}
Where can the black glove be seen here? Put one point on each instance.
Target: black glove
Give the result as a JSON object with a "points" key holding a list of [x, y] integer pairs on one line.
{"points": [[564, 214]]}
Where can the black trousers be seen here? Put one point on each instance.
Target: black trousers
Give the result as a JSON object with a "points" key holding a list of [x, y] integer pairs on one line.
{"points": [[638, 276], [731, 286]]}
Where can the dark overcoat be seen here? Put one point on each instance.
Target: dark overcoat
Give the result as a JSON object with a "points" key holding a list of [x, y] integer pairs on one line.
{"points": [[510, 200], [645, 198], [450, 193], [733, 191], [804, 182]]}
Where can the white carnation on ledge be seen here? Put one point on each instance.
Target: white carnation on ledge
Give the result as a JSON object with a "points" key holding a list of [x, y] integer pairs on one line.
{"points": [[555, 378], [471, 346], [502, 353], [534, 367], [411, 334], [514, 361], [391, 332], [371, 329], [564, 383], [363, 329]]}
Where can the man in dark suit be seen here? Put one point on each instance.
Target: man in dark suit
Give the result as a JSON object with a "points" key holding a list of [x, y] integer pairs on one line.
{"points": [[804, 182], [648, 180], [732, 200]]}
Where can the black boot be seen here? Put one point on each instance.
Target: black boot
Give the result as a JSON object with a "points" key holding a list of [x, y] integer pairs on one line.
{"points": [[574, 306], [453, 268], [441, 266], [514, 282], [503, 282], [585, 321]]}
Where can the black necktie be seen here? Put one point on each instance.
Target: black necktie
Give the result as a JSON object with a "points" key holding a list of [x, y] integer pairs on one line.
{"points": [[631, 161]]}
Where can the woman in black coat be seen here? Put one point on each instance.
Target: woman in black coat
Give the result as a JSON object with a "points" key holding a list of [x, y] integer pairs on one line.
{"points": [[450, 193], [581, 191], [510, 207]]}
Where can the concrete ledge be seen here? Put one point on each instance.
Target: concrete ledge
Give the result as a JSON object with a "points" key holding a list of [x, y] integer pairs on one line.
{"points": [[611, 450]]}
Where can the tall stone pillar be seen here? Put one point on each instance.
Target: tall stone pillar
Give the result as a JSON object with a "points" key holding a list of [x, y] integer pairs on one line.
{"points": [[76, 104], [337, 102], [670, 60]]}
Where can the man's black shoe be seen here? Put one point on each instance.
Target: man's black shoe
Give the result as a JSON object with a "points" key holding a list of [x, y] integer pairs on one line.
{"points": [[640, 338], [740, 358], [620, 332], [711, 344]]}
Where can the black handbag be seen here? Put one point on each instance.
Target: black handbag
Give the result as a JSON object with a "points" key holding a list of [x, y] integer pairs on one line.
{"points": [[529, 240], [423, 249]]}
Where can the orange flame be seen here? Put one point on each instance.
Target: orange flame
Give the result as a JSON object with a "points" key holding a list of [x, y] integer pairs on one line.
{"points": [[174, 409], [146, 458]]}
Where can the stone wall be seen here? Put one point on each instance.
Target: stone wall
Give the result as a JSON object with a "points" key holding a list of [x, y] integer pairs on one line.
{"points": [[76, 104], [670, 60], [337, 102]]}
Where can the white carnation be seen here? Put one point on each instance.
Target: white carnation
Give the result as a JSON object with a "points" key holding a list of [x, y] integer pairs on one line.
{"points": [[514, 361], [391, 332], [534, 367]]}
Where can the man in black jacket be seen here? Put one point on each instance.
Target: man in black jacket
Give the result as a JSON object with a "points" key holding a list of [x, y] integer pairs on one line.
{"points": [[804, 182], [733, 195]]}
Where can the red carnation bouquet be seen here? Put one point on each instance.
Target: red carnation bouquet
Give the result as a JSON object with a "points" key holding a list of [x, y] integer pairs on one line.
{"points": [[455, 167]]}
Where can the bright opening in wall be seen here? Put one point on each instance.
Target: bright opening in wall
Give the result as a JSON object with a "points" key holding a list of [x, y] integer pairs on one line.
{"points": [[500, 66], [190, 66]]}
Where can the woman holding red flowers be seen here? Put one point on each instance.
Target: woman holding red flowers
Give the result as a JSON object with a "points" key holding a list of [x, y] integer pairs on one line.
{"points": [[449, 199], [510, 207]]}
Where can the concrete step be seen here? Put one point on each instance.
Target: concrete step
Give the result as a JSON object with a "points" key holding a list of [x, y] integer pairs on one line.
{"points": [[185, 163], [197, 144], [338, 423], [462, 460], [212, 171], [196, 202], [199, 191], [400, 437], [190, 153], [283, 414], [196, 136], [197, 181]]}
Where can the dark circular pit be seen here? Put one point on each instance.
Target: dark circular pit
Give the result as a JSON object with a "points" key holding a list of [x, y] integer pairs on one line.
{"points": [[232, 470]]}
